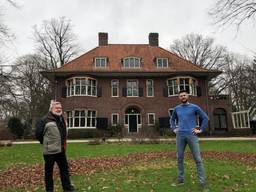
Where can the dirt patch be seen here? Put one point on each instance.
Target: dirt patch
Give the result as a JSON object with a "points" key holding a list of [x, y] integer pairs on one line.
{"points": [[32, 176]]}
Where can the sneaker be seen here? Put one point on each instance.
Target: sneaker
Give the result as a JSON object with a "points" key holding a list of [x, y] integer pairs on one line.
{"points": [[177, 183], [203, 187]]}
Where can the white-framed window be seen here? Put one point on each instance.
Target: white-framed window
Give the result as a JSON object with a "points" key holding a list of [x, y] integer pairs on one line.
{"points": [[81, 86], [114, 88], [91, 119], [150, 88], [114, 119], [100, 62], [131, 62], [173, 88], [151, 119], [132, 88], [81, 118], [193, 87], [162, 62], [182, 83], [69, 119]]}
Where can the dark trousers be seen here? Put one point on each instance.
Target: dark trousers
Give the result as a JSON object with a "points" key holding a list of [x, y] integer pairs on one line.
{"points": [[61, 160]]}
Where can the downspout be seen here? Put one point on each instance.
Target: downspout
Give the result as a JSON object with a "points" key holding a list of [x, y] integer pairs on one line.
{"points": [[207, 104]]}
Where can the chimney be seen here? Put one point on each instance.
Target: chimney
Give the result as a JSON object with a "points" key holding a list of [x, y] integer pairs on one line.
{"points": [[153, 39], [103, 39]]}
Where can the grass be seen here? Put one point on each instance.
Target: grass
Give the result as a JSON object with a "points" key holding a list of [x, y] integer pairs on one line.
{"points": [[143, 176], [156, 176], [20, 155]]}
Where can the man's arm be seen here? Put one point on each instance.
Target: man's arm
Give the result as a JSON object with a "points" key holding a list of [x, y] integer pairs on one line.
{"points": [[173, 121], [203, 117]]}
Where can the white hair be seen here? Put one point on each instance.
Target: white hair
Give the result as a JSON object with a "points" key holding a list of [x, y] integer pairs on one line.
{"points": [[53, 103]]}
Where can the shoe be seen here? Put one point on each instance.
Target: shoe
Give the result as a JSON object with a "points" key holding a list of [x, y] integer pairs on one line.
{"points": [[71, 189], [177, 183], [203, 187]]}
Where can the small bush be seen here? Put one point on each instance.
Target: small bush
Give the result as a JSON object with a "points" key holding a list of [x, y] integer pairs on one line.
{"points": [[115, 131], [16, 127]]}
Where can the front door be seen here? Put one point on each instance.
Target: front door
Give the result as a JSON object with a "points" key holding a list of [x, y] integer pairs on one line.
{"points": [[133, 124]]}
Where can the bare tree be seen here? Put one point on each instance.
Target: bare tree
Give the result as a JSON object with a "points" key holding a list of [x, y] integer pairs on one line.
{"points": [[13, 3], [229, 12], [202, 51], [241, 81], [55, 41], [5, 34], [33, 90], [254, 60]]}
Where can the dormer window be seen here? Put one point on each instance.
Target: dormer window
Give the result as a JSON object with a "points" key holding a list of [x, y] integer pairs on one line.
{"points": [[100, 62], [161, 62], [131, 62]]}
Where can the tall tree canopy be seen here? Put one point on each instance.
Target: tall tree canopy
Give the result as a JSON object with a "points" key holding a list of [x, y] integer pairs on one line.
{"points": [[229, 12], [56, 41], [241, 80], [202, 51]]}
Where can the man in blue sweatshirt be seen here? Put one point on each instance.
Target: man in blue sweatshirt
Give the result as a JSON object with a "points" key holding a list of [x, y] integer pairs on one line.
{"points": [[183, 123]]}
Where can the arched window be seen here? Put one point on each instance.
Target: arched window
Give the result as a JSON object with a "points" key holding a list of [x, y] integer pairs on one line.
{"points": [[81, 86], [181, 83]]}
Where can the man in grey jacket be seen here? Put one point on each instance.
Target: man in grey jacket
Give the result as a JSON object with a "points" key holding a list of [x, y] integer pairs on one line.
{"points": [[54, 148]]}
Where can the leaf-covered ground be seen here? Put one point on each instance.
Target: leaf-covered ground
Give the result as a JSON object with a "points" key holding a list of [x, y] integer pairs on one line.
{"points": [[32, 176]]}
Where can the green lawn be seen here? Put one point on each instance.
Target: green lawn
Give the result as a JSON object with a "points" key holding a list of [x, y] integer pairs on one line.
{"points": [[29, 154], [157, 176], [148, 176]]}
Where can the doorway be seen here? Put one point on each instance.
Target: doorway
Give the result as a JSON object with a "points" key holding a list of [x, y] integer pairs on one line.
{"points": [[132, 119]]}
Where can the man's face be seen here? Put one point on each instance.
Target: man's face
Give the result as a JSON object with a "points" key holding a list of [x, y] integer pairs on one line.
{"points": [[183, 97], [57, 109]]}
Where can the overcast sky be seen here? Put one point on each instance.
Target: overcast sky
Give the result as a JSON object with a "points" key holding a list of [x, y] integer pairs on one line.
{"points": [[125, 21]]}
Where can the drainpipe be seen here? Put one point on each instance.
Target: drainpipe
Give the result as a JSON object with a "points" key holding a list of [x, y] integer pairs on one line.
{"points": [[207, 104]]}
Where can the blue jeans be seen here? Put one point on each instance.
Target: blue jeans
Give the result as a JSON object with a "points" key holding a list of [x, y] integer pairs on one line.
{"points": [[193, 143]]}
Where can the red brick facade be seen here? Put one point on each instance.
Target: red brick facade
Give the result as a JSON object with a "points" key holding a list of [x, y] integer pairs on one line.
{"points": [[105, 105]]}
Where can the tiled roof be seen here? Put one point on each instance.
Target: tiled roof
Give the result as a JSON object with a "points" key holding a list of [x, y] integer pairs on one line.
{"points": [[116, 52]]}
